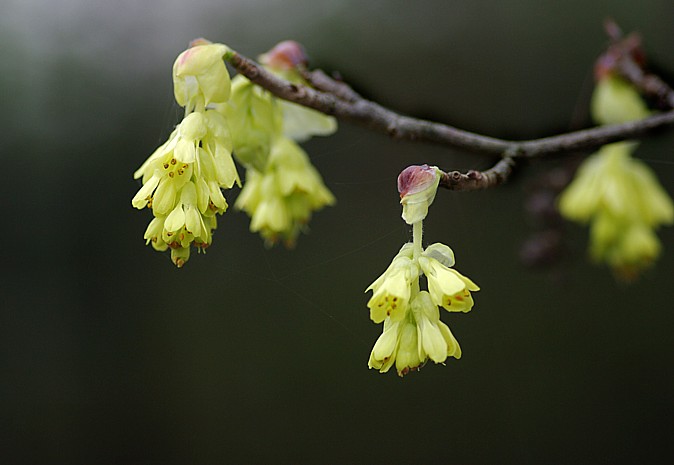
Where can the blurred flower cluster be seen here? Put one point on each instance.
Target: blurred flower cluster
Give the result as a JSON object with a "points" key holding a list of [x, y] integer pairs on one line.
{"points": [[617, 194], [183, 179], [413, 332]]}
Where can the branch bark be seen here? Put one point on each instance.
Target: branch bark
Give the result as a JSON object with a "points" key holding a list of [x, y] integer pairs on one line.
{"points": [[336, 98], [474, 180], [372, 115]]}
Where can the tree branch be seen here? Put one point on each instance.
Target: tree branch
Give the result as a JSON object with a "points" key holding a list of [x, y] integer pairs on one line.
{"points": [[474, 180], [336, 98], [349, 106]]}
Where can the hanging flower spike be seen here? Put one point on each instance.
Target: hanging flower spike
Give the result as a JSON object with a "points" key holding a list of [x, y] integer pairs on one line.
{"points": [[281, 199], [413, 332], [200, 76], [623, 202], [616, 193], [182, 181], [299, 123], [183, 178]]}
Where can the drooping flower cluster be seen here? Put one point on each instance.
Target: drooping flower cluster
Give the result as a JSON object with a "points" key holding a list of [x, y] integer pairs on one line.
{"points": [[183, 178], [617, 194], [282, 187], [413, 332], [281, 198]]}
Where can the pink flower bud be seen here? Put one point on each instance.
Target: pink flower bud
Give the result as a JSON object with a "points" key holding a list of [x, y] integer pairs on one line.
{"points": [[416, 178], [286, 55], [417, 186]]}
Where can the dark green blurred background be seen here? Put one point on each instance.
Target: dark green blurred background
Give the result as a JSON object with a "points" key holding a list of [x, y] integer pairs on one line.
{"points": [[110, 355]]}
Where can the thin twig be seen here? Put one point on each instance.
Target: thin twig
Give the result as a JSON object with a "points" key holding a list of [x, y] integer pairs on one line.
{"points": [[377, 117], [474, 180], [321, 81], [626, 57]]}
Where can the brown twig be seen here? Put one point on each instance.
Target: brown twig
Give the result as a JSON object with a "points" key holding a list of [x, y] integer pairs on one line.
{"points": [[338, 99], [474, 180], [321, 81], [624, 56], [375, 116]]}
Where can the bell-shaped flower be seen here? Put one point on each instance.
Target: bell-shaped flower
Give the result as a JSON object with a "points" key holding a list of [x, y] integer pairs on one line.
{"points": [[281, 199], [154, 234], [627, 247], [417, 186], [391, 292], [200, 76], [436, 341], [448, 288], [407, 355], [383, 353], [399, 345]]}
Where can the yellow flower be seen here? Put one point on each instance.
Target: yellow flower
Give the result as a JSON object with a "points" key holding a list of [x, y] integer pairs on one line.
{"points": [[614, 100], [627, 247], [182, 183], [399, 345], [200, 76], [624, 202], [384, 352], [436, 341], [407, 355], [393, 289], [410, 342], [448, 288], [281, 198]]}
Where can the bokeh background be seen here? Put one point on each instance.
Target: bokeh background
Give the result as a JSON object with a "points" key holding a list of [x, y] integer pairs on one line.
{"points": [[110, 355]]}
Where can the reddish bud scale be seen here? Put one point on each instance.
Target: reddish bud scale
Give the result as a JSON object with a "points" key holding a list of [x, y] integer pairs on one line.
{"points": [[285, 55], [415, 178]]}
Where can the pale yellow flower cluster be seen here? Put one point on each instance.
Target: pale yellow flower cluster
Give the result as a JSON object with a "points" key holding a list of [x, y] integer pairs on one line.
{"points": [[622, 200], [183, 179], [617, 194], [282, 187], [281, 198], [413, 332]]}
